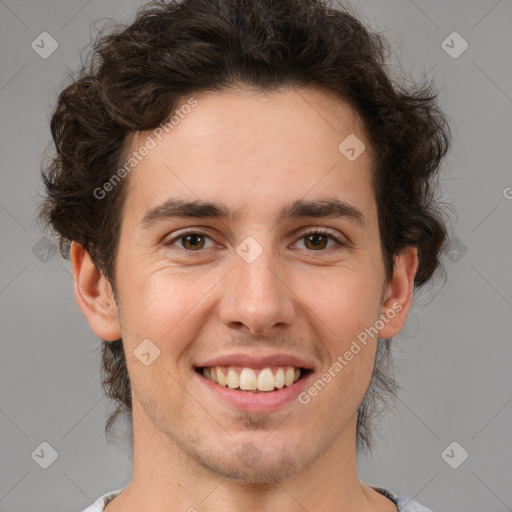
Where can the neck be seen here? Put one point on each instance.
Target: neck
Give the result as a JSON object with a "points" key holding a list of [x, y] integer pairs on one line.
{"points": [[166, 478]]}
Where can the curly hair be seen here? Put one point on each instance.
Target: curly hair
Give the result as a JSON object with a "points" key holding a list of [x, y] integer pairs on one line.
{"points": [[136, 75]]}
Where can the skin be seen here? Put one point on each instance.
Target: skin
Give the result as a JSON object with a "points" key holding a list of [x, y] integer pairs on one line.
{"points": [[255, 151]]}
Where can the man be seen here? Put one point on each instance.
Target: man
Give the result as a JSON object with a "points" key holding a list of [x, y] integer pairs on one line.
{"points": [[247, 200]]}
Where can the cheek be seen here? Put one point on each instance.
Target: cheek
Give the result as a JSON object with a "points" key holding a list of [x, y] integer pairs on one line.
{"points": [[159, 318], [170, 307], [345, 307], [336, 393], [158, 307], [344, 300]]}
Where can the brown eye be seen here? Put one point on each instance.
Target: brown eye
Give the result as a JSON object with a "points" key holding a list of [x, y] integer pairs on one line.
{"points": [[193, 241], [316, 241]]}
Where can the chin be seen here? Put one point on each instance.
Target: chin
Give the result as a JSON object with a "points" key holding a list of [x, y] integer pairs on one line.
{"points": [[249, 465]]}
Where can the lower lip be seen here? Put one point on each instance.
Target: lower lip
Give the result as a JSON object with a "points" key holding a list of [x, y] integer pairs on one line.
{"points": [[267, 401]]}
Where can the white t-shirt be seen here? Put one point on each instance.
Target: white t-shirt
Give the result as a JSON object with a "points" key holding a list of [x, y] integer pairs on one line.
{"points": [[403, 503]]}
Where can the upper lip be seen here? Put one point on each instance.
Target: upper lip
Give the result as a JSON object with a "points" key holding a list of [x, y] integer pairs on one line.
{"points": [[250, 361]]}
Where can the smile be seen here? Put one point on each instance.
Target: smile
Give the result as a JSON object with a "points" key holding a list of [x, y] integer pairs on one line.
{"points": [[266, 379]]}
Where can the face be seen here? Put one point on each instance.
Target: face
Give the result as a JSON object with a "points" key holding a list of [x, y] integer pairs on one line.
{"points": [[240, 284]]}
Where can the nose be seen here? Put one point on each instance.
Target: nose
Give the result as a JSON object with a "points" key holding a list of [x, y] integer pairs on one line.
{"points": [[258, 296]]}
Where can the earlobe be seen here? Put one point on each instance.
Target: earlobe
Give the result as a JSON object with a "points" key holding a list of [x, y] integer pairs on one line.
{"points": [[94, 295], [399, 293]]}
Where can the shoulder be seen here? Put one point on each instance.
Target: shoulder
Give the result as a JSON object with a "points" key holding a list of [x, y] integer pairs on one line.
{"points": [[101, 502], [403, 503]]}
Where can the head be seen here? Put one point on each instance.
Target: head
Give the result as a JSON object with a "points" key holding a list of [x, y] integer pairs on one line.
{"points": [[245, 104]]}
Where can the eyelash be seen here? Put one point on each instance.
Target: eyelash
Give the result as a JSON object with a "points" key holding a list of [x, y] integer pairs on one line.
{"points": [[317, 231]]}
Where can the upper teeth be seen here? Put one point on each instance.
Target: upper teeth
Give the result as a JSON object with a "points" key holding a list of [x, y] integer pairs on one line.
{"points": [[252, 380]]}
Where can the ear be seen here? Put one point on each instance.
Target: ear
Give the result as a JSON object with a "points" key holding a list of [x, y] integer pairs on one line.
{"points": [[399, 293], [94, 294]]}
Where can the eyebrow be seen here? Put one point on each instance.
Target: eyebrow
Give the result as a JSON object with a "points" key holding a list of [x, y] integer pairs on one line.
{"points": [[321, 208]]}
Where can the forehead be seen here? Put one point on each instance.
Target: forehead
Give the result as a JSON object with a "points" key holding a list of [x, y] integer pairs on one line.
{"points": [[242, 146]]}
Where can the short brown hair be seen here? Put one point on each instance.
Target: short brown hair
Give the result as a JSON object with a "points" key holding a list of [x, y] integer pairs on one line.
{"points": [[137, 74]]}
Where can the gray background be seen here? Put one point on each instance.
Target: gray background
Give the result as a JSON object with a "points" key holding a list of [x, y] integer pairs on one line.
{"points": [[453, 355]]}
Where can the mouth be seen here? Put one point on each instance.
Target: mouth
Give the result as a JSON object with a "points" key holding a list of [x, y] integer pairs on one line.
{"points": [[268, 379]]}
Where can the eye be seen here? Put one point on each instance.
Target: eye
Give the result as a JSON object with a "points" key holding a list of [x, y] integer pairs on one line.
{"points": [[316, 239], [192, 241]]}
